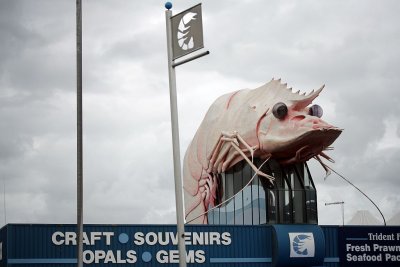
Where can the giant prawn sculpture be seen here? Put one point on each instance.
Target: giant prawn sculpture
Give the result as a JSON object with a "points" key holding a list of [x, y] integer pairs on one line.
{"points": [[271, 121]]}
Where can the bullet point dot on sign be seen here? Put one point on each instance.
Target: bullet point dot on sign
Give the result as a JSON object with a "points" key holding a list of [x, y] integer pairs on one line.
{"points": [[123, 238], [146, 256]]}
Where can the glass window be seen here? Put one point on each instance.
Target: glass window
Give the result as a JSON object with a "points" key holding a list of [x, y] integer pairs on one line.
{"points": [[222, 195], [297, 193], [262, 203], [237, 186], [290, 199], [255, 191], [272, 206], [230, 205], [311, 205], [308, 183], [210, 216], [247, 195]]}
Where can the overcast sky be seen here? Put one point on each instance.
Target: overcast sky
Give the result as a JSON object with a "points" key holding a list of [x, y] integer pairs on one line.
{"points": [[350, 46]]}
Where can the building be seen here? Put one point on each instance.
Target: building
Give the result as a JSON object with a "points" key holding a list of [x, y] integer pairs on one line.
{"points": [[258, 224], [291, 199]]}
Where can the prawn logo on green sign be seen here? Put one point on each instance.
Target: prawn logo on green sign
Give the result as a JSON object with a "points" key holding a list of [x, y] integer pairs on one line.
{"points": [[301, 245]]}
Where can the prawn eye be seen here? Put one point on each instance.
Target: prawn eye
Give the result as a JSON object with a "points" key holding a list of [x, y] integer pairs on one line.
{"points": [[316, 110], [279, 110]]}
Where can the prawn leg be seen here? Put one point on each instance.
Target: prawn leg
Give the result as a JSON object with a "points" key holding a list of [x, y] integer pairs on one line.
{"points": [[233, 140]]}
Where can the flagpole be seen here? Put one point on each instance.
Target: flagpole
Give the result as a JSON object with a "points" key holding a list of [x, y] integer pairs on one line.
{"points": [[79, 133], [175, 142]]}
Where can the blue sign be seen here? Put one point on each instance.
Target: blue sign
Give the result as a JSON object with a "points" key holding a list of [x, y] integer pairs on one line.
{"points": [[206, 245], [369, 246], [298, 245], [136, 245]]}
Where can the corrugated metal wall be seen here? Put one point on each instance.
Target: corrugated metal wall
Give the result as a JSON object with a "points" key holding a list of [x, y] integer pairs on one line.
{"points": [[331, 246]]}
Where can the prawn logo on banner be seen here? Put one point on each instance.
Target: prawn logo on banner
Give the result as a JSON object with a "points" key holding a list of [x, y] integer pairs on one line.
{"points": [[185, 40], [187, 28], [301, 245]]}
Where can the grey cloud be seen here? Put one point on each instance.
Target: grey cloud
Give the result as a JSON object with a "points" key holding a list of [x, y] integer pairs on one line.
{"points": [[37, 54], [352, 48]]}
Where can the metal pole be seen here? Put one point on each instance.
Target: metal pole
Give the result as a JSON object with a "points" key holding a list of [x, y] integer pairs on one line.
{"points": [[343, 213], [5, 206], [175, 145], [79, 133]]}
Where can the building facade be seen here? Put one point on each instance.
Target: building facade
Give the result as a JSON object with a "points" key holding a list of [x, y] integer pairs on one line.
{"points": [[249, 199]]}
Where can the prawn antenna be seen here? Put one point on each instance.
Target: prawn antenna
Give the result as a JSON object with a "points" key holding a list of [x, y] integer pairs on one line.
{"points": [[326, 167]]}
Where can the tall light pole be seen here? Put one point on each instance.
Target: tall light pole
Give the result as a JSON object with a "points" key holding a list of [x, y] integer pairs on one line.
{"points": [[79, 132], [175, 145], [172, 55], [338, 203]]}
